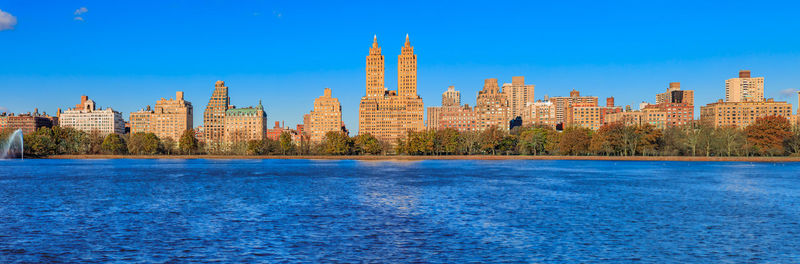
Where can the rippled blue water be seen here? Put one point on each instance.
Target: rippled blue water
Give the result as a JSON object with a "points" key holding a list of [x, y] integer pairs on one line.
{"points": [[424, 211]]}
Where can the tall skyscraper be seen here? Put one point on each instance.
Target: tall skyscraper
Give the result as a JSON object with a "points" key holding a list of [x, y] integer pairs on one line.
{"points": [[519, 95], [169, 119], [744, 88], [326, 116], [375, 70], [407, 71], [492, 108], [214, 116], [386, 114]]}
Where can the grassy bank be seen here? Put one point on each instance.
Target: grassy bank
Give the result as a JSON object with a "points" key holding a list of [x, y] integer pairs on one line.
{"points": [[455, 157]]}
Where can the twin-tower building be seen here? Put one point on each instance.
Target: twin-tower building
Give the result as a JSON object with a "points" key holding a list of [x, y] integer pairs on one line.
{"points": [[388, 114]]}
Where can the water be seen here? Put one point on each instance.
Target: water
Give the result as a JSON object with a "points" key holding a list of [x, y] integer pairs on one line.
{"points": [[427, 211], [13, 146]]}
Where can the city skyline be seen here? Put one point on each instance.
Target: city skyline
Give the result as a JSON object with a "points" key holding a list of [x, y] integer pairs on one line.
{"points": [[611, 58]]}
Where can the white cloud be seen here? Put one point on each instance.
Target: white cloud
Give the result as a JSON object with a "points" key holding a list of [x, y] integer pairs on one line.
{"points": [[788, 92], [81, 10], [277, 14], [7, 21]]}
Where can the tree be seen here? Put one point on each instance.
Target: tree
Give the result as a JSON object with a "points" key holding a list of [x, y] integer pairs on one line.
{"points": [[336, 143], [534, 141], [673, 142], [114, 144], [730, 140], [768, 134], [608, 140], [188, 143], [448, 141], [649, 139], [95, 142], [367, 144], [168, 145], [575, 141], [286, 144], [144, 144], [491, 139]]}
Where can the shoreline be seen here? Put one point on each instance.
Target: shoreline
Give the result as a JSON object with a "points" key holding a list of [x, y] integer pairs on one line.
{"points": [[454, 157]]}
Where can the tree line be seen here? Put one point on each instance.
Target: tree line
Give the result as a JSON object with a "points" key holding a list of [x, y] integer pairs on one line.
{"points": [[768, 136]]}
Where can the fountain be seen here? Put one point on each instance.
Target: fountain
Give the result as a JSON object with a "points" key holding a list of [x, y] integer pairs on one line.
{"points": [[13, 147]]}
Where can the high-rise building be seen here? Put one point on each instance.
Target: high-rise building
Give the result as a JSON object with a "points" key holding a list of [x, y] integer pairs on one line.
{"points": [[563, 104], [451, 97], [492, 108], [244, 124], [386, 114], [519, 95], [214, 116], [674, 94], [170, 118], [744, 103], [88, 118], [744, 88], [326, 117], [452, 114]]}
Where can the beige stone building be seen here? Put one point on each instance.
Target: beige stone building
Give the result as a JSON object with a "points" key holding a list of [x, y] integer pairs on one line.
{"points": [[590, 115], [88, 118], [742, 114], [451, 97], [674, 94], [214, 115], [492, 108], [243, 124], [169, 119], [326, 117], [540, 113], [563, 104], [519, 95], [386, 114], [744, 88], [452, 114]]}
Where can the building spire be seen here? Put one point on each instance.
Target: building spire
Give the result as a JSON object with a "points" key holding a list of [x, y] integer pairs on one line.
{"points": [[375, 41], [408, 43]]}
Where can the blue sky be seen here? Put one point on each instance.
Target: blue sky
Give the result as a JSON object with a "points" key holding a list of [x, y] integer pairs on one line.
{"points": [[128, 54]]}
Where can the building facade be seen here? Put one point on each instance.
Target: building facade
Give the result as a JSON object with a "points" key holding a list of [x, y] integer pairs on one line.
{"points": [[492, 108], [386, 114], [244, 124], [88, 118], [563, 104], [214, 115], [742, 114], [540, 113], [519, 95], [744, 88], [27, 122], [169, 119], [326, 117], [674, 94], [590, 115]]}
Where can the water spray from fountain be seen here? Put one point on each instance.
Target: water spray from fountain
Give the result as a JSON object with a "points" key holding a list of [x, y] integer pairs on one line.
{"points": [[13, 146]]}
